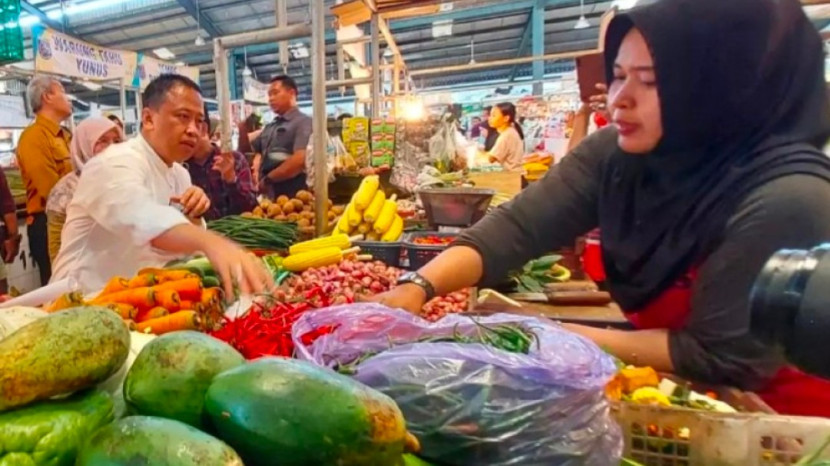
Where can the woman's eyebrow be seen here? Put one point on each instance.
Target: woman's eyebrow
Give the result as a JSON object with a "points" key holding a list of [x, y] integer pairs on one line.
{"points": [[635, 68]]}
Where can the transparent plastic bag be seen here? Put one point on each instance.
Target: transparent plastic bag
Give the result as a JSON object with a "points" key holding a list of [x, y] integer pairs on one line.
{"points": [[471, 403]]}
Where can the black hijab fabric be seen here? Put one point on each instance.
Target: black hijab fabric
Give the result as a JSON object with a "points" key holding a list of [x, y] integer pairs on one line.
{"points": [[743, 101]]}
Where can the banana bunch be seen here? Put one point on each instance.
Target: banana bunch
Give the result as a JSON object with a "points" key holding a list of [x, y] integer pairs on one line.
{"points": [[371, 214], [536, 166]]}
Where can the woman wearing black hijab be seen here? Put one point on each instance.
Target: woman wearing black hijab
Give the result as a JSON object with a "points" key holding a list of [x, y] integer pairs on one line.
{"points": [[713, 164]]}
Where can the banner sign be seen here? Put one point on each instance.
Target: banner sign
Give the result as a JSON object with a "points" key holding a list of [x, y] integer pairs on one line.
{"points": [[149, 69], [65, 55], [254, 91]]}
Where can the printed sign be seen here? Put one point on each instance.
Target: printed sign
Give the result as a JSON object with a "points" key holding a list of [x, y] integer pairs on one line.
{"points": [[149, 69], [65, 55], [254, 91]]}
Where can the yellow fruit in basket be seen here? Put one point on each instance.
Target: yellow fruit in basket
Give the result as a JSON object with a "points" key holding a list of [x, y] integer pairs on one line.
{"points": [[258, 211], [304, 195], [343, 224], [366, 192], [650, 396], [298, 205], [282, 200], [247, 215], [395, 231], [288, 208], [386, 216], [372, 212], [338, 209], [355, 218]]}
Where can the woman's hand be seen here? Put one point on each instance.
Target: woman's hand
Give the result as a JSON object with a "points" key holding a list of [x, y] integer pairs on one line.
{"points": [[408, 297]]}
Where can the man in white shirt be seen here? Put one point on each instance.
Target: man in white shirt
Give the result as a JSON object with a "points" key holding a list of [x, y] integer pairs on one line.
{"points": [[135, 207]]}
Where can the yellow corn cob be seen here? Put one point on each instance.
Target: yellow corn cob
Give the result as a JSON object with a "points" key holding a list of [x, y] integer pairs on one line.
{"points": [[395, 231], [364, 228], [341, 241], [372, 236], [319, 258], [387, 216], [343, 224], [355, 218], [366, 192], [372, 212]]}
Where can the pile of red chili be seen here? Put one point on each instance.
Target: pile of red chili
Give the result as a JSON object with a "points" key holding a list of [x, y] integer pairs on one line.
{"points": [[265, 330], [434, 240]]}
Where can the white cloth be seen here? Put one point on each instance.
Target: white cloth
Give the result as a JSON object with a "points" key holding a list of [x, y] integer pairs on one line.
{"points": [[121, 204], [509, 149]]}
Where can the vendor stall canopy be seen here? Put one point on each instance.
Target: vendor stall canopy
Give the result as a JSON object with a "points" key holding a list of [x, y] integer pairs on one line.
{"points": [[429, 34]]}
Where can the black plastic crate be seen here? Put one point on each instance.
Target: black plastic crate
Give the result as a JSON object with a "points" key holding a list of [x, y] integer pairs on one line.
{"points": [[386, 252], [420, 254]]}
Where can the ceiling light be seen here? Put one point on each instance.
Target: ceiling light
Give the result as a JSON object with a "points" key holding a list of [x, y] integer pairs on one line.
{"points": [[247, 72], [164, 53], [583, 22], [180, 63], [199, 41]]}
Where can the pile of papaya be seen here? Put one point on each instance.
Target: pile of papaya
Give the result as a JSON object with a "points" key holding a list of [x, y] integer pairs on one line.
{"points": [[158, 301], [192, 400]]}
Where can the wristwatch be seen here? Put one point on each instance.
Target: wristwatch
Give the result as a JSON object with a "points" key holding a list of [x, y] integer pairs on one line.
{"points": [[416, 279]]}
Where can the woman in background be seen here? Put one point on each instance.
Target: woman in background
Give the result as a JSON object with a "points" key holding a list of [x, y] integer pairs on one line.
{"points": [[91, 137], [509, 148]]}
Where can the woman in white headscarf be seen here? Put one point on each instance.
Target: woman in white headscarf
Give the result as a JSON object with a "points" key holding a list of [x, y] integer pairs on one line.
{"points": [[91, 137]]}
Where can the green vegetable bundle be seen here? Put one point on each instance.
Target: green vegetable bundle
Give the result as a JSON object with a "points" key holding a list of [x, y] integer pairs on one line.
{"points": [[256, 233], [533, 277]]}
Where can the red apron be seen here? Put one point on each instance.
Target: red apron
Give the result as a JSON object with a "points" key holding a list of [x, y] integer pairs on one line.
{"points": [[790, 392]]}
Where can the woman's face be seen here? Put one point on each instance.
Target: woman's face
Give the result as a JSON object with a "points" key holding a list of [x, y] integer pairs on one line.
{"points": [[497, 119], [633, 97], [107, 139]]}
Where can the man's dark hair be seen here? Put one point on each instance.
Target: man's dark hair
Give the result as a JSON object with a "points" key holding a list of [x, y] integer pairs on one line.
{"points": [[158, 88], [287, 82]]}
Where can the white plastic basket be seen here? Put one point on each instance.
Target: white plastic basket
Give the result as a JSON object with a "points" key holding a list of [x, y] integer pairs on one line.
{"points": [[658, 436]]}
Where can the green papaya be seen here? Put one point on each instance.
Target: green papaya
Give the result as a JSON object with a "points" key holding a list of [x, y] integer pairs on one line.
{"points": [[278, 411], [154, 441], [51, 432], [171, 375], [65, 352]]}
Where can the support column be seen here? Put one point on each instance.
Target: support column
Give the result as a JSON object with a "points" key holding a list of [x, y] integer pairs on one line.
{"points": [[233, 83], [537, 35], [282, 22], [320, 128], [220, 62], [375, 51]]}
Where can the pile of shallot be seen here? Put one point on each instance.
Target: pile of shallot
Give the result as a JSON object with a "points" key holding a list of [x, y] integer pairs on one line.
{"points": [[354, 280]]}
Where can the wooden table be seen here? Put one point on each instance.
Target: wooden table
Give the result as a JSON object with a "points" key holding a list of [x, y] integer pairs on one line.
{"points": [[602, 316]]}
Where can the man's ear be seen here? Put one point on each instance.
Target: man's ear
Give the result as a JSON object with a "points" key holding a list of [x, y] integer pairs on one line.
{"points": [[146, 118]]}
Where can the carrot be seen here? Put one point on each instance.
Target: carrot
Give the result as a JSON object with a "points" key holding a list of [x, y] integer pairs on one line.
{"points": [[167, 276], [211, 297], [155, 313], [66, 301], [124, 310], [141, 298], [143, 280], [115, 285], [182, 320], [168, 299], [189, 289]]}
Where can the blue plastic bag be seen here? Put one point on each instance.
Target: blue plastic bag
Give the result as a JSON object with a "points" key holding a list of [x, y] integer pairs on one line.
{"points": [[472, 404]]}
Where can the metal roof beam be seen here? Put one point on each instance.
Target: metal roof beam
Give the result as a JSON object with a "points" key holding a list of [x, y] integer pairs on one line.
{"points": [[500, 9], [204, 22], [43, 17], [523, 45]]}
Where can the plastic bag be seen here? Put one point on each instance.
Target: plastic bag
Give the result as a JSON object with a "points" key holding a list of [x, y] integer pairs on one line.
{"points": [[471, 403], [331, 150]]}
